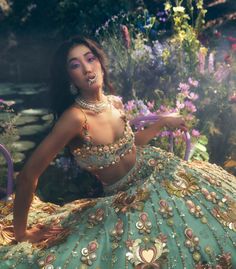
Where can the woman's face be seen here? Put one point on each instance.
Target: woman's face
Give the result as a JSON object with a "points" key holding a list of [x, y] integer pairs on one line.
{"points": [[84, 69]]}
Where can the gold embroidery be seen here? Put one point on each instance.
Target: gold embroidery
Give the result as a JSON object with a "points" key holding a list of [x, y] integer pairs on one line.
{"points": [[144, 225], [124, 202], [89, 253], [152, 256], [183, 185], [227, 218], [6, 234]]}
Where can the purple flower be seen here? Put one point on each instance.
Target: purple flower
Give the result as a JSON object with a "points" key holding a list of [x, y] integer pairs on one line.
{"points": [[190, 106], [195, 133], [165, 133], [129, 105], [163, 108]]}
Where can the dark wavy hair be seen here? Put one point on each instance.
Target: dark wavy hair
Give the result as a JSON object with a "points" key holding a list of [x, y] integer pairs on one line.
{"points": [[59, 89]]}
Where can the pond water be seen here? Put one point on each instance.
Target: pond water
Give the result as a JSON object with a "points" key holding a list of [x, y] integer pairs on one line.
{"points": [[32, 116]]}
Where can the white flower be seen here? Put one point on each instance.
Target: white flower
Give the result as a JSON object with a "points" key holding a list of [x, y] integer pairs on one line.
{"points": [[179, 9]]}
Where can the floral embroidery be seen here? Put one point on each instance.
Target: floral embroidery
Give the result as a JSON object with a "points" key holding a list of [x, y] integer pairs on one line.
{"points": [[192, 243], [89, 253], [193, 209], [227, 218], [47, 262], [183, 185], [152, 256], [117, 232], [94, 219], [152, 162], [165, 210], [124, 202], [6, 234], [144, 225], [224, 261], [196, 211], [210, 196]]}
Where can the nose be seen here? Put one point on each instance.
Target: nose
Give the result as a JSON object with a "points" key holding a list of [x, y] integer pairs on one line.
{"points": [[87, 68]]}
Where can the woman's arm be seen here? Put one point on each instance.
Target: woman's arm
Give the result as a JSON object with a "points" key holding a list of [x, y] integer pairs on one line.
{"points": [[65, 129], [142, 137]]}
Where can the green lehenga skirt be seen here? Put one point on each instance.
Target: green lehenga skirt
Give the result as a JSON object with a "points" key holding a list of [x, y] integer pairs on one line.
{"points": [[165, 213]]}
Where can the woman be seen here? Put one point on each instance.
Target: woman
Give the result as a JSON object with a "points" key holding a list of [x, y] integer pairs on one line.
{"points": [[157, 211]]}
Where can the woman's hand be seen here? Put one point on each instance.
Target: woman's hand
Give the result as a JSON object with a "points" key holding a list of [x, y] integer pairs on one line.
{"points": [[173, 121], [41, 232]]}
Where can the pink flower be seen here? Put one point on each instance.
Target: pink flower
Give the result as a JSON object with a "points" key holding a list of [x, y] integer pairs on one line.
{"points": [[151, 104], [184, 87], [195, 133], [233, 47], [189, 117], [126, 36], [231, 39], [192, 82], [202, 60], [177, 133], [211, 63], [179, 105], [193, 96], [222, 73], [232, 98]]}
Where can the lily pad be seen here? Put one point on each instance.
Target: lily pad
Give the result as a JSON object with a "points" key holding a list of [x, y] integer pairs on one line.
{"points": [[48, 117], [24, 119], [7, 91], [30, 129], [23, 145], [32, 111], [31, 91]]}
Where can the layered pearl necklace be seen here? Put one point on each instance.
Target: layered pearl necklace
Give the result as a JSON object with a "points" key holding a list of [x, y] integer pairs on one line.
{"points": [[96, 107]]}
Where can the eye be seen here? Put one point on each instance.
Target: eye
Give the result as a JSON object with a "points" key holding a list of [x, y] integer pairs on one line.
{"points": [[91, 58], [74, 65]]}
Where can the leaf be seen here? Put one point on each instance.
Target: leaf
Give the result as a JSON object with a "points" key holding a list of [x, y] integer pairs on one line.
{"points": [[200, 147], [203, 140]]}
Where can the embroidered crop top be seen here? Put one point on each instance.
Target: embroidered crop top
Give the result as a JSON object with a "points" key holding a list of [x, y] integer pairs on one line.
{"points": [[91, 156]]}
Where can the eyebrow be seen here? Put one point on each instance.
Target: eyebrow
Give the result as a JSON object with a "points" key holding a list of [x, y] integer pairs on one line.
{"points": [[74, 58]]}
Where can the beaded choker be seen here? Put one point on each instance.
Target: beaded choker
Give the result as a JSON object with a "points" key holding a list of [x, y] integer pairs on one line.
{"points": [[96, 107]]}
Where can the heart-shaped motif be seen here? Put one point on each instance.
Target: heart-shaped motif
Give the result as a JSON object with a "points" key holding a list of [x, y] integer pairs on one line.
{"points": [[148, 255]]}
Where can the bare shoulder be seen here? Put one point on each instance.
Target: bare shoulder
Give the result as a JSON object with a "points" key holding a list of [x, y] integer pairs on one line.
{"points": [[116, 101], [72, 120]]}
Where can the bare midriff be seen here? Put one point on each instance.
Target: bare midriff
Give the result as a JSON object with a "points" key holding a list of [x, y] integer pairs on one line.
{"points": [[114, 173]]}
